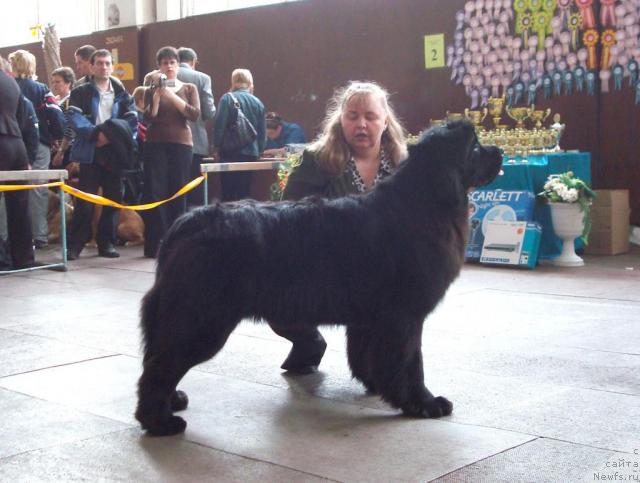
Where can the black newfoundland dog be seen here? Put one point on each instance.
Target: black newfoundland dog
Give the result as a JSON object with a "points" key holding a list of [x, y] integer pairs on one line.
{"points": [[378, 263]]}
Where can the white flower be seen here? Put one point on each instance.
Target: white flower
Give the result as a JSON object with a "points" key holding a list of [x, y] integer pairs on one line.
{"points": [[571, 195], [561, 189]]}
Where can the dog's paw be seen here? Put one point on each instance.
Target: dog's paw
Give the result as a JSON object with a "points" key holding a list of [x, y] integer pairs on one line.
{"points": [[370, 388], [299, 370], [174, 425], [179, 401], [429, 408]]}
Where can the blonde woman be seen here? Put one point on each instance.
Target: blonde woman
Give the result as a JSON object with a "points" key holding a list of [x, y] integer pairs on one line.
{"points": [[51, 129], [13, 157], [235, 186], [361, 143]]}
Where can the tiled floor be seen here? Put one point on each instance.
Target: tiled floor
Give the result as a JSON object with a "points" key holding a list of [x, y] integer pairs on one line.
{"points": [[543, 368]]}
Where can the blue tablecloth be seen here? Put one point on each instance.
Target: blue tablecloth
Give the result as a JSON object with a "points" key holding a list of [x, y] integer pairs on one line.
{"points": [[532, 176]]}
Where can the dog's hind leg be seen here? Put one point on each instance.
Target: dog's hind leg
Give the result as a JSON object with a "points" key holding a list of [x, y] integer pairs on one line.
{"points": [[396, 368], [177, 337], [358, 352], [307, 351], [157, 393], [164, 367]]}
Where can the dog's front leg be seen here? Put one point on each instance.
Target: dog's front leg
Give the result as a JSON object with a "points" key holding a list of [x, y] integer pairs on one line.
{"points": [[397, 370], [307, 351]]}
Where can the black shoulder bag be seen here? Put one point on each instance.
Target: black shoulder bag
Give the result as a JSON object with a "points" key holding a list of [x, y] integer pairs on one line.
{"points": [[239, 132]]}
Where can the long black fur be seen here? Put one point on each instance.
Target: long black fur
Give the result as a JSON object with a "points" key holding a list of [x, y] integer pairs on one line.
{"points": [[378, 263]]}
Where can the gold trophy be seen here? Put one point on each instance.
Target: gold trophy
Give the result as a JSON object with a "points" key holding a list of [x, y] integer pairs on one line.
{"points": [[519, 115], [476, 117], [557, 128], [454, 116], [539, 116], [496, 104]]}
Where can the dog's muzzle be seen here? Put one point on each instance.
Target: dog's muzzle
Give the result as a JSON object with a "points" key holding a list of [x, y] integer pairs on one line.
{"points": [[485, 164]]}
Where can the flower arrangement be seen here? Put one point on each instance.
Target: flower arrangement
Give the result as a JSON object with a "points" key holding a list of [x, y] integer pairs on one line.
{"points": [[277, 188], [566, 188]]}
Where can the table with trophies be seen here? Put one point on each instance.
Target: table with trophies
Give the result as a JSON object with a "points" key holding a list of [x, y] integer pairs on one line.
{"points": [[531, 154]]}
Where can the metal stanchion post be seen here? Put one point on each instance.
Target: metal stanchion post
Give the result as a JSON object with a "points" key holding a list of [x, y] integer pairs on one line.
{"points": [[205, 188], [63, 227]]}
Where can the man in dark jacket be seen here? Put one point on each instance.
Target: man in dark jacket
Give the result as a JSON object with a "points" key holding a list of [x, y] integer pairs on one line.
{"points": [[92, 103]]}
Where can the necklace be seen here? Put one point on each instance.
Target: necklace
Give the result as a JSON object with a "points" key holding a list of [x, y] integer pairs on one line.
{"points": [[384, 169]]}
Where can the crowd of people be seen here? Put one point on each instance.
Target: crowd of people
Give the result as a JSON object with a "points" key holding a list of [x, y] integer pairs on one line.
{"points": [[89, 124]]}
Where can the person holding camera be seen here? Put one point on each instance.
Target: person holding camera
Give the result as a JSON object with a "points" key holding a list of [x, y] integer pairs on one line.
{"points": [[168, 105]]}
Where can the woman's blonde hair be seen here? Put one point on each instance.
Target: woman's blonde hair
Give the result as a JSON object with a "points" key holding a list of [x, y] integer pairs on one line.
{"points": [[23, 64], [241, 79], [331, 147]]}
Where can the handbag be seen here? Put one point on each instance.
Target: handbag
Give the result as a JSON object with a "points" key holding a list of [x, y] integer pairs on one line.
{"points": [[239, 132]]}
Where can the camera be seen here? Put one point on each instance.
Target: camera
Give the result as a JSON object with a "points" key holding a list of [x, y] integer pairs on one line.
{"points": [[162, 80]]}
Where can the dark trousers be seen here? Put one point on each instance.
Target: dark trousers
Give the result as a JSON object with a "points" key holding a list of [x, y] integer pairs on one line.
{"points": [[236, 185], [13, 157], [195, 197], [92, 177], [166, 169]]}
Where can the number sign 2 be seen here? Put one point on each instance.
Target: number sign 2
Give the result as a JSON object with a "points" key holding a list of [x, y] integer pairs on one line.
{"points": [[434, 51]]}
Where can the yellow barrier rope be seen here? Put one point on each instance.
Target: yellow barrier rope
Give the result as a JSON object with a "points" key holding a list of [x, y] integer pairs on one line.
{"points": [[18, 187], [99, 200]]}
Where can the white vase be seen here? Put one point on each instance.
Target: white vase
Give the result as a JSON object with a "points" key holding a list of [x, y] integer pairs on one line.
{"points": [[568, 223]]}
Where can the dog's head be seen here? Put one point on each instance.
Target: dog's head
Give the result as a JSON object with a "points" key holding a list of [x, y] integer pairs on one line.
{"points": [[454, 149]]}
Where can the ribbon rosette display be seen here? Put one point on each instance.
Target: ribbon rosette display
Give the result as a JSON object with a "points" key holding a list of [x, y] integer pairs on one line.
{"points": [[590, 40], [588, 17], [608, 40]]}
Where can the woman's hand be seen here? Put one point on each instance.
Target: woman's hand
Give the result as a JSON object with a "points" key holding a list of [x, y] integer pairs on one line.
{"points": [[176, 100]]}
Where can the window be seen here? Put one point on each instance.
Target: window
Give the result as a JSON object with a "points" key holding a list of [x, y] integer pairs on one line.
{"points": [[18, 21], [199, 7]]}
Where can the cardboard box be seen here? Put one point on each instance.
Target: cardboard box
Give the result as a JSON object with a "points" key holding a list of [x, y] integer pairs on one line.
{"points": [[610, 223], [495, 205], [512, 243]]}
